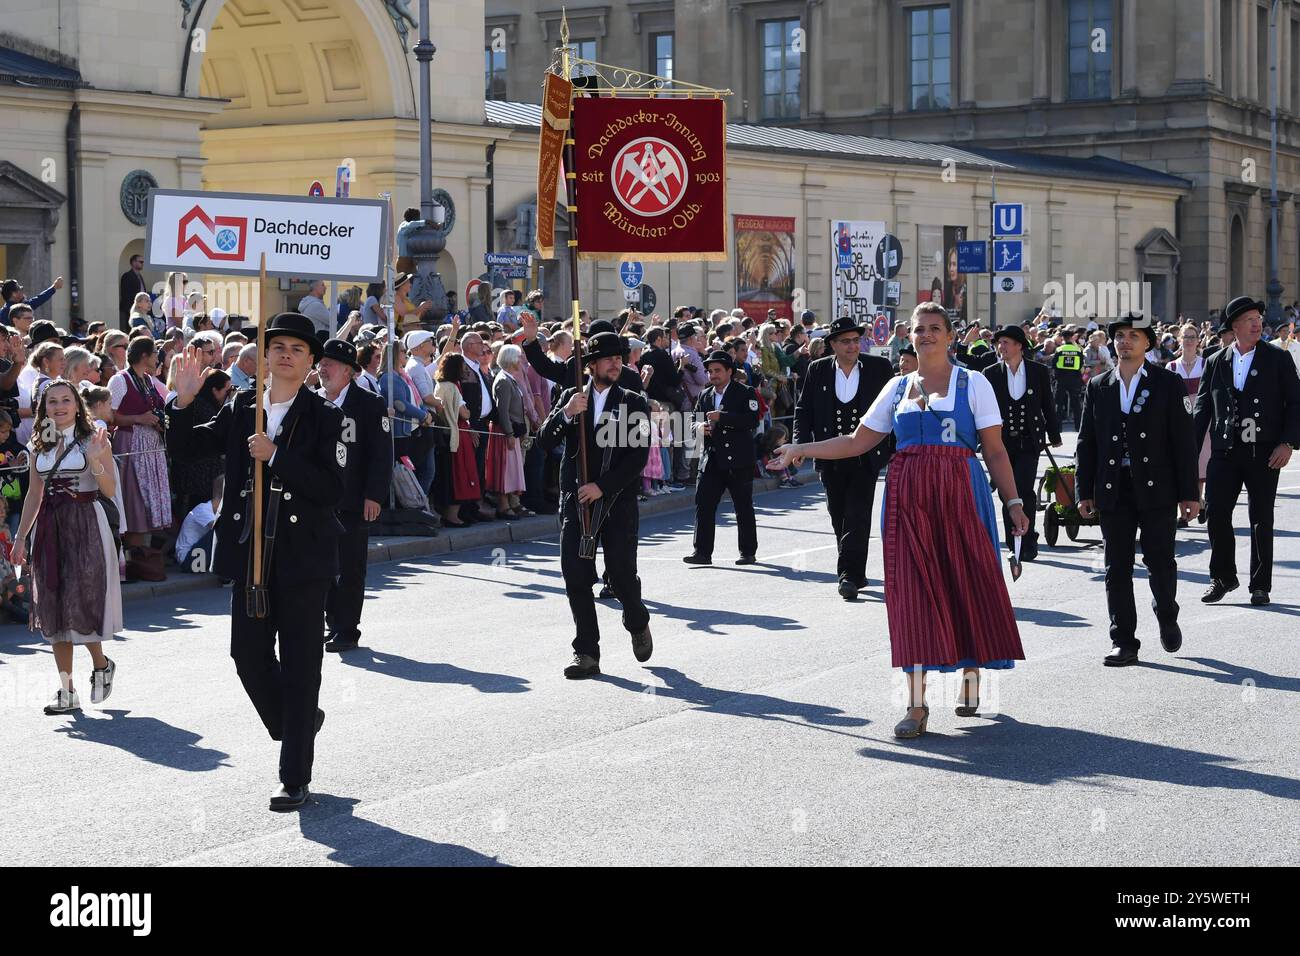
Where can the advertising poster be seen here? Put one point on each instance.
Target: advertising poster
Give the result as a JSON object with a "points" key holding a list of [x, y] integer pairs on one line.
{"points": [[765, 265], [929, 264], [857, 287], [954, 282]]}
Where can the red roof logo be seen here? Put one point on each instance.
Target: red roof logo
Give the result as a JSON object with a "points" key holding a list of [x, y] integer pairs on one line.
{"points": [[220, 238]]}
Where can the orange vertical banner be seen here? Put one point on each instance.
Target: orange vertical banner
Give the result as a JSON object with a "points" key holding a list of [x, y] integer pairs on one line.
{"points": [[557, 100]]}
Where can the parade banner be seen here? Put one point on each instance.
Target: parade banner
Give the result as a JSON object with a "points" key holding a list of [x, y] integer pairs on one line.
{"points": [[556, 100], [765, 271], [929, 264], [857, 286], [652, 178], [227, 233], [954, 282]]}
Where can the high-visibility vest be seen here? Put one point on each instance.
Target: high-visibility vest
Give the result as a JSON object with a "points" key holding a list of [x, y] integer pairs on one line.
{"points": [[1069, 358]]}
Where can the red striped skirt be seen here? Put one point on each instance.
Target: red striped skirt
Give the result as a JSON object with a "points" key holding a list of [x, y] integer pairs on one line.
{"points": [[945, 597]]}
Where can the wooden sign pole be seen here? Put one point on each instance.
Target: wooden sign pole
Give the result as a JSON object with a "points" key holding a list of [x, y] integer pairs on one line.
{"points": [[256, 607]]}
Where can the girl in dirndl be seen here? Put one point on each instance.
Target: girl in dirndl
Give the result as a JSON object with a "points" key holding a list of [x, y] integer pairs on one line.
{"points": [[1190, 366], [945, 596], [76, 596]]}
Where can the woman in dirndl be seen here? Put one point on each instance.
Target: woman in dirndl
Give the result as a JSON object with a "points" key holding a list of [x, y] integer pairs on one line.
{"points": [[1190, 366], [76, 596], [457, 466], [945, 597], [505, 457]]}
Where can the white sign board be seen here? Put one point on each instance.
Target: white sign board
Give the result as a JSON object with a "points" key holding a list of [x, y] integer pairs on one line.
{"points": [[632, 296], [227, 233], [1012, 283], [859, 288]]}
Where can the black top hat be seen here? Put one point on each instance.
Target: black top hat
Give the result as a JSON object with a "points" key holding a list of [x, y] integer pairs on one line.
{"points": [[341, 350], [600, 325], [295, 326], [720, 357], [844, 324], [605, 345], [1015, 333], [1134, 321], [1239, 307]]}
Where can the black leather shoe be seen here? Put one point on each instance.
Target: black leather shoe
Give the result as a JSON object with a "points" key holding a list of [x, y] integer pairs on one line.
{"points": [[1215, 592], [1259, 598], [583, 666], [320, 719], [642, 644], [338, 644], [289, 798], [1171, 638], [1120, 658], [694, 558], [747, 559], [606, 592], [848, 590]]}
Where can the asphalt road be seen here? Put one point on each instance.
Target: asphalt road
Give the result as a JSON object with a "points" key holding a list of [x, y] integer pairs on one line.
{"points": [[760, 732]]}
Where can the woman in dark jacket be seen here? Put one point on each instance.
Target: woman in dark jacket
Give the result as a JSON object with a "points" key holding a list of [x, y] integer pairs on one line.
{"points": [[192, 477]]}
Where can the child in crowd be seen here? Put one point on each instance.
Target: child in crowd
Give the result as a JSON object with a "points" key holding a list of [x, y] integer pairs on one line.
{"points": [[11, 598], [653, 473], [194, 543], [13, 471]]}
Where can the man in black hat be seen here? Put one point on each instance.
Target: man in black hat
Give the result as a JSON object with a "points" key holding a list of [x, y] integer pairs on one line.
{"points": [[562, 372], [1249, 402], [367, 472], [304, 465], [727, 412], [1024, 391], [837, 392], [617, 435], [1137, 467]]}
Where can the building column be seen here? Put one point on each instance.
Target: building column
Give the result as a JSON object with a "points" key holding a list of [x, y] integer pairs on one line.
{"points": [[1247, 77], [1128, 85], [968, 28], [736, 47], [1042, 86], [884, 49], [815, 64], [189, 172]]}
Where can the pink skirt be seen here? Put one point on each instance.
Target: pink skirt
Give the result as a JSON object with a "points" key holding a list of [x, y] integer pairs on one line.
{"points": [[504, 469]]}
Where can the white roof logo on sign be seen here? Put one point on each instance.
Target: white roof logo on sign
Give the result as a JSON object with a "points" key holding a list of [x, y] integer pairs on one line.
{"points": [[228, 233]]}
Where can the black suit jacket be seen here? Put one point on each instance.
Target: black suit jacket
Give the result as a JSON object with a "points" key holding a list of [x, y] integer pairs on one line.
{"points": [[365, 435], [129, 286], [308, 462], [615, 464], [666, 374], [562, 372], [814, 414], [1042, 420], [473, 395], [1271, 399], [1162, 452], [732, 443]]}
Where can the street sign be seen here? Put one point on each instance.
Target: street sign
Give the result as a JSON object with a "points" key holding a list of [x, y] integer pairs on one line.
{"points": [[889, 256], [632, 296], [973, 256], [648, 300], [512, 265], [1008, 255], [1009, 219], [632, 274], [893, 293], [1009, 283], [316, 190], [343, 181], [880, 329]]}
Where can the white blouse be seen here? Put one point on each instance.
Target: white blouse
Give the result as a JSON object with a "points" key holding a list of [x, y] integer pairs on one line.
{"points": [[983, 401]]}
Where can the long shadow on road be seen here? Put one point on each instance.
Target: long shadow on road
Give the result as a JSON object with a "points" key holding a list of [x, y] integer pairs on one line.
{"points": [[331, 821], [148, 738], [1004, 748], [427, 672]]}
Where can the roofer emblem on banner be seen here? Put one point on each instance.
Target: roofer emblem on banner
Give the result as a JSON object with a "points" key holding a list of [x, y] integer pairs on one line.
{"points": [[649, 176]]}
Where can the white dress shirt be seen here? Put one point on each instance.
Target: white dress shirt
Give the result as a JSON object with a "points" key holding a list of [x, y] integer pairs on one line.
{"points": [[1127, 392], [1241, 366], [1017, 382], [717, 398], [846, 386], [598, 398], [275, 412]]}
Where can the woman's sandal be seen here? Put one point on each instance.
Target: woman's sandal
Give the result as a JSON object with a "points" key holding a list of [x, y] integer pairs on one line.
{"points": [[911, 727], [967, 709]]}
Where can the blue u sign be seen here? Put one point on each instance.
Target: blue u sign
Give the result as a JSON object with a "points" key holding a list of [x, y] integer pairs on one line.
{"points": [[1009, 219]]}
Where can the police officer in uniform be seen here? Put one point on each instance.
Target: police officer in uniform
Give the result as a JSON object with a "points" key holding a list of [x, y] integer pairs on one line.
{"points": [[1249, 402], [837, 392], [1137, 467], [303, 476], [1024, 391], [1067, 367], [368, 470], [617, 451], [728, 414]]}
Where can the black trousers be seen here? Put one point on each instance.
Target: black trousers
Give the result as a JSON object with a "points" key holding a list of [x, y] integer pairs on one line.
{"points": [[347, 593], [1024, 465], [618, 541], [1224, 477], [1069, 398], [850, 499], [285, 691], [713, 481], [534, 464], [1121, 525], [480, 452]]}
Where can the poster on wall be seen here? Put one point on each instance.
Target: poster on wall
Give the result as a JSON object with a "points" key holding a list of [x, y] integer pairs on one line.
{"points": [[954, 282], [765, 274], [929, 264], [857, 287]]}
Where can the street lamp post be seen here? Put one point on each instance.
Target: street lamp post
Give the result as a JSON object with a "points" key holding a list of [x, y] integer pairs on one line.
{"points": [[1274, 287], [429, 240]]}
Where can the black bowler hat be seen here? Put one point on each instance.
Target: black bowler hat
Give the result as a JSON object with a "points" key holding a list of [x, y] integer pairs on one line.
{"points": [[1239, 307], [296, 326], [42, 330], [844, 324], [599, 326], [605, 345], [720, 357], [684, 332], [1015, 333], [341, 350], [1133, 321]]}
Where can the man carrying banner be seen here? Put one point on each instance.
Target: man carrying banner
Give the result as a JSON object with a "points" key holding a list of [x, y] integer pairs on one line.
{"points": [[617, 426], [304, 460]]}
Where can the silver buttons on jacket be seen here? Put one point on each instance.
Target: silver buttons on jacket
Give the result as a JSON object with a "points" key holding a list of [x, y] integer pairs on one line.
{"points": [[288, 496], [293, 519]]}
